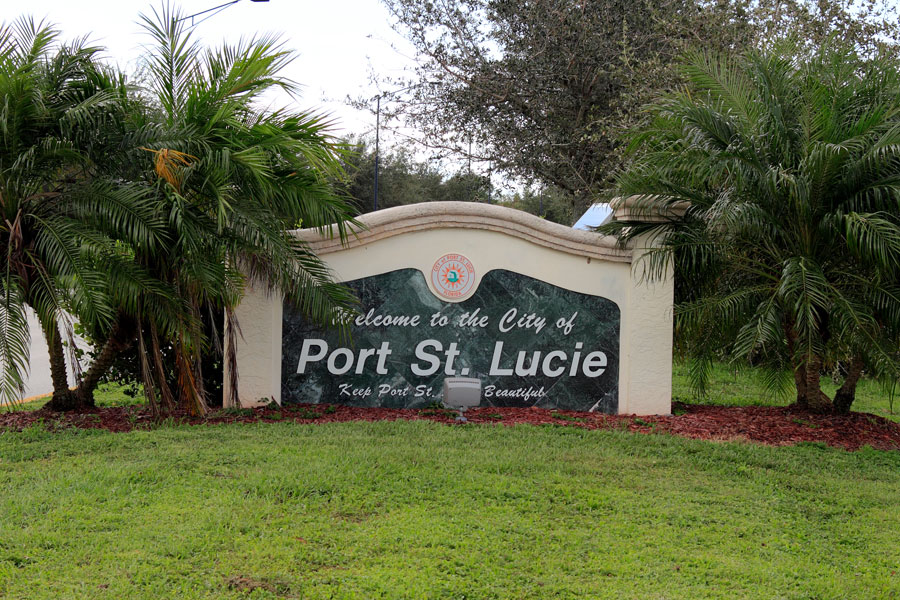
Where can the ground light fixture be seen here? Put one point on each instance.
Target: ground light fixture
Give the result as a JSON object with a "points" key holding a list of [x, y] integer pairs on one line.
{"points": [[461, 393]]}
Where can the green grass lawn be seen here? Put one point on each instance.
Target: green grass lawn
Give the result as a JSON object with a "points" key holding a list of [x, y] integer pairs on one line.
{"points": [[731, 387], [106, 394], [421, 510]]}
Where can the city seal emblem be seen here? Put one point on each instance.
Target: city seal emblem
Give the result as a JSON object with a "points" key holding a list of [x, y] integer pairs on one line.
{"points": [[453, 276]]}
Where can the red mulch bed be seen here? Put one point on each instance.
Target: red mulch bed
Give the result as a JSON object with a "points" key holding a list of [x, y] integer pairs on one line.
{"points": [[777, 426]]}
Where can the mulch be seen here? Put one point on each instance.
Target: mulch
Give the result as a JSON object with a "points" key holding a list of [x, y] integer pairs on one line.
{"points": [[776, 426]]}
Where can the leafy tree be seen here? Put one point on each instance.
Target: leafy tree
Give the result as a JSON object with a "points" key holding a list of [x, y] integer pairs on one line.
{"points": [[63, 217], [466, 186], [548, 203], [789, 166], [403, 180], [544, 90]]}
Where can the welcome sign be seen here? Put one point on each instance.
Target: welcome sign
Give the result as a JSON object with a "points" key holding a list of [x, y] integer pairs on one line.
{"points": [[530, 343], [541, 314]]}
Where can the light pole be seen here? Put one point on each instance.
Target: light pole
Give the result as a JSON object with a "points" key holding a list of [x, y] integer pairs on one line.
{"points": [[378, 134], [377, 140], [214, 10]]}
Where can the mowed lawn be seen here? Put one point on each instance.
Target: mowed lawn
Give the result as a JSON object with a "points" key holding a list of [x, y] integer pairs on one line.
{"points": [[422, 510]]}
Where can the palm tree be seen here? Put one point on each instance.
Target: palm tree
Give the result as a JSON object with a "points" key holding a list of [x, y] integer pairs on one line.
{"points": [[788, 253], [62, 219], [230, 179]]}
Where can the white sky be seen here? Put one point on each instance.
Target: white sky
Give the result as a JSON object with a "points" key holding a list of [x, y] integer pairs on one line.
{"points": [[339, 42]]}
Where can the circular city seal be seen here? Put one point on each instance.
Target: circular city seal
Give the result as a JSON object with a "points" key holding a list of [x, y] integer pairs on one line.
{"points": [[453, 276]]}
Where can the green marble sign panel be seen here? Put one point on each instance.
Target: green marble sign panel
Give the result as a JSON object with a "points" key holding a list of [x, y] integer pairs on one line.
{"points": [[529, 342]]}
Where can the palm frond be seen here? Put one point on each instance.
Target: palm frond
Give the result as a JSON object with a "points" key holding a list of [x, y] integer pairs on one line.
{"points": [[15, 342]]}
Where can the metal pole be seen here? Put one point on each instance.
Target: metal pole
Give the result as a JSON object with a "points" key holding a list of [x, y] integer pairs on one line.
{"points": [[214, 10], [377, 140]]}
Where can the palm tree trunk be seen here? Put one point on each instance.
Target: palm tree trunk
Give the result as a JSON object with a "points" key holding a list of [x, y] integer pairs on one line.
{"points": [[165, 392], [191, 395], [801, 368], [114, 345], [800, 383], [846, 394], [63, 398], [816, 400]]}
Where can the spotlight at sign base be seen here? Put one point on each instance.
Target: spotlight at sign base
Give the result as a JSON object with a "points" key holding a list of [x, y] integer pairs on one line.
{"points": [[461, 393]]}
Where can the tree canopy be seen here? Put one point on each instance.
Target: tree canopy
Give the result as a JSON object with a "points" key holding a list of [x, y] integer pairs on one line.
{"points": [[544, 91], [788, 165], [402, 179]]}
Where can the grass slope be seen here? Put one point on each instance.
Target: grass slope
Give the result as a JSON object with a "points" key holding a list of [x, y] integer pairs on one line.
{"points": [[419, 510]]}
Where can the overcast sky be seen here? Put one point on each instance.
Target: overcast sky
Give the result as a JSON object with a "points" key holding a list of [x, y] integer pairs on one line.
{"points": [[339, 42]]}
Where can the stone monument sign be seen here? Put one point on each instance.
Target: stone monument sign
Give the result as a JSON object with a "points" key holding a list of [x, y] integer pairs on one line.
{"points": [[541, 314]]}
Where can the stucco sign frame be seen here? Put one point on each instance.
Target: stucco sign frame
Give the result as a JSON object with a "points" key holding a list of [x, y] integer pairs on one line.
{"points": [[455, 245]]}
